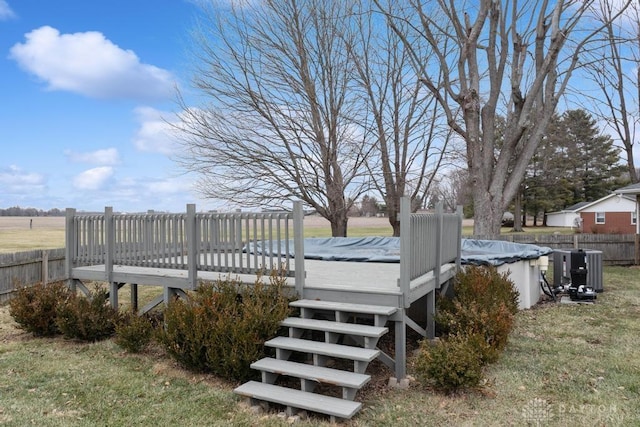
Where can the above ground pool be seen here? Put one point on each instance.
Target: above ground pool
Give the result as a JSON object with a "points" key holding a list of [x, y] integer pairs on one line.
{"points": [[387, 249], [521, 261]]}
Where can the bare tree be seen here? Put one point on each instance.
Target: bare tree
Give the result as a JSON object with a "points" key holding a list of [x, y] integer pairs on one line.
{"points": [[279, 117], [499, 57], [451, 189], [401, 119], [615, 69]]}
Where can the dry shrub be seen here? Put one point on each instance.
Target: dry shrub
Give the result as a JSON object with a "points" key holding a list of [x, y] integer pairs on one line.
{"points": [[222, 327], [475, 325], [34, 308], [88, 319], [134, 332], [449, 365], [484, 305]]}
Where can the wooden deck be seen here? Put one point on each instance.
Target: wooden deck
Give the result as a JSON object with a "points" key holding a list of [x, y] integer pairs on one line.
{"points": [[352, 282], [158, 249]]}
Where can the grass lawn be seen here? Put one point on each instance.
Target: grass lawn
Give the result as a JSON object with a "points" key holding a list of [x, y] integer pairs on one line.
{"points": [[564, 365]]}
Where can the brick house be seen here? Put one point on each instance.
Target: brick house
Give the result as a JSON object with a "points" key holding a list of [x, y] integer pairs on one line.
{"points": [[613, 214]]}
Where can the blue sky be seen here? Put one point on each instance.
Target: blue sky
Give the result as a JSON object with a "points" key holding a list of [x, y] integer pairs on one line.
{"points": [[85, 87]]}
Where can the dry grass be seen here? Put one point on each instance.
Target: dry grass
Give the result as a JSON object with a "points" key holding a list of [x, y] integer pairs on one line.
{"points": [[565, 365], [45, 233]]}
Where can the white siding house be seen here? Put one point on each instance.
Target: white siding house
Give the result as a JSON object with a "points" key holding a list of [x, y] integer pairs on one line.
{"points": [[569, 217]]}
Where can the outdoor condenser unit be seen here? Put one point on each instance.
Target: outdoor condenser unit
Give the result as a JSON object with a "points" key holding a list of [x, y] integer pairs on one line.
{"points": [[566, 260]]}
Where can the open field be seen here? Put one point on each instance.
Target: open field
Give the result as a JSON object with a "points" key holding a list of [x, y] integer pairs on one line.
{"points": [[48, 232], [16, 234]]}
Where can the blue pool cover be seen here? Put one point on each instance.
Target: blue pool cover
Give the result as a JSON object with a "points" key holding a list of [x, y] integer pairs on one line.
{"points": [[387, 249]]}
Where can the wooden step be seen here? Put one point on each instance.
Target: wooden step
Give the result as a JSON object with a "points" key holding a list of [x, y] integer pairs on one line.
{"points": [[300, 399], [380, 310], [310, 372], [336, 327], [325, 349]]}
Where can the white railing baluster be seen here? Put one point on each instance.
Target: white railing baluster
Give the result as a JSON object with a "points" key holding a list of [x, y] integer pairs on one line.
{"points": [[215, 242]]}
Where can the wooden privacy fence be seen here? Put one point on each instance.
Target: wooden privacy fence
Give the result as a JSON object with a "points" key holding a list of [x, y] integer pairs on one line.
{"points": [[30, 267], [617, 249], [186, 241]]}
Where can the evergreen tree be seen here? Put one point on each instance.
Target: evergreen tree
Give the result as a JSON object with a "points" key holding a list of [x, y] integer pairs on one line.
{"points": [[573, 163], [595, 160]]}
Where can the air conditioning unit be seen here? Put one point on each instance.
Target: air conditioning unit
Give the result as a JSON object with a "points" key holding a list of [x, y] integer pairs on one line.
{"points": [[583, 266]]}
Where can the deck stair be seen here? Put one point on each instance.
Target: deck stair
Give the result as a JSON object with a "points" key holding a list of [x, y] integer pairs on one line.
{"points": [[324, 331]]}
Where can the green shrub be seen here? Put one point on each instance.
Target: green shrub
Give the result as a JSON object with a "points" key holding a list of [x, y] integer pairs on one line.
{"points": [[484, 305], [449, 364], [134, 332], [34, 307], [88, 319], [221, 328]]}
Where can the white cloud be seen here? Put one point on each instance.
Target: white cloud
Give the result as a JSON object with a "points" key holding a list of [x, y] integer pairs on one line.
{"points": [[108, 156], [5, 11], [13, 180], [91, 65], [154, 135], [169, 186], [93, 179]]}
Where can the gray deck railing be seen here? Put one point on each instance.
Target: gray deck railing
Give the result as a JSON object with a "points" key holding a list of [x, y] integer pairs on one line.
{"points": [[188, 241], [427, 242]]}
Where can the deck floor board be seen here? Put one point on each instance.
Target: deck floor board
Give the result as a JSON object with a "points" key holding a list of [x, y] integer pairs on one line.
{"points": [[338, 276]]}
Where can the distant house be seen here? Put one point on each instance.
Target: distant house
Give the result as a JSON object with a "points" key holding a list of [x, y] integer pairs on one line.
{"points": [[632, 190], [568, 217], [614, 213]]}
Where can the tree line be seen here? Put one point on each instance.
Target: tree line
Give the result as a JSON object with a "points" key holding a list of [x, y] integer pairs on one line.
{"points": [[18, 211]]}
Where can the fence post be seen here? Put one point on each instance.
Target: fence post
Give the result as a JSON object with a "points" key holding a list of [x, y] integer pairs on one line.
{"points": [[70, 246], [192, 246], [405, 248], [298, 247], [45, 267]]}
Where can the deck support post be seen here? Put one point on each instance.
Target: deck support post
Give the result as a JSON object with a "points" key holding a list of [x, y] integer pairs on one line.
{"points": [[460, 213], [70, 243], [298, 247], [110, 243], [113, 294], [193, 246], [169, 293], [134, 297], [431, 312], [439, 219], [401, 345], [405, 250]]}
